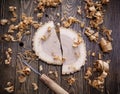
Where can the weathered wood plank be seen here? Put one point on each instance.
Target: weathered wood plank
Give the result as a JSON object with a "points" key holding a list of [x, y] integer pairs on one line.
{"points": [[7, 71], [111, 21]]}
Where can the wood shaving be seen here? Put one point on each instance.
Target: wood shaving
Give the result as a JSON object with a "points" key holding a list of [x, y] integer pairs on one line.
{"points": [[26, 70], [12, 9], [55, 73], [22, 27], [93, 54], [27, 33], [105, 1], [8, 55], [70, 21], [11, 28], [105, 45], [9, 37], [58, 14], [9, 88], [99, 56], [108, 33], [88, 73], [79, 11], [90, 33], [71, 80], [101, 65], [3, 21], [82, 24], [35, 86], [22, 78], [39, 15], [40, 68]]}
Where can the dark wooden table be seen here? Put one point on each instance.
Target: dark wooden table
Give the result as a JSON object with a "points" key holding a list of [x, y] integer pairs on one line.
{"points": [[8, 72]]}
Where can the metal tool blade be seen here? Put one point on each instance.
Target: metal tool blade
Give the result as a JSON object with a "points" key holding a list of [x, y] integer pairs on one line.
{"points": [[24, 61], [34, 70]]}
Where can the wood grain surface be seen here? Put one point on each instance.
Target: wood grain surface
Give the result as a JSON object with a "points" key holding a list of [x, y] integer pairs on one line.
{"points": [[9, 72]]}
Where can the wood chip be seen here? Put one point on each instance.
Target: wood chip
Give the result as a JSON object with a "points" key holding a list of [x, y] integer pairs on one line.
{"points": [[35, 86], [71, 80]]}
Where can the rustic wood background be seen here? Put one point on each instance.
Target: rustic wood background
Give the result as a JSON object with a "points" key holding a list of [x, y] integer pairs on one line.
{"points": [[8, 72]]}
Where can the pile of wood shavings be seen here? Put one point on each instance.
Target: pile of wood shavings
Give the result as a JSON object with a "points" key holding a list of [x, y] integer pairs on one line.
{"points": [[102, 68], [95, 13]]}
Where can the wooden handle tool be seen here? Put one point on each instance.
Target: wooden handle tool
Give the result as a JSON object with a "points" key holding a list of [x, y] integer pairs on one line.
{"points": [[53, 85]]}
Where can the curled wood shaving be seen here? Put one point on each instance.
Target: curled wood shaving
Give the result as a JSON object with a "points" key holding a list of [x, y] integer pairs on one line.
{"points": [[98, 84], [22, 78], [8, 55], [12, 9], [9, 37], [82, 24], [79, 11], [90, 33], [25, 71], [35, 86], [105, 1], [71, 80], [93, 54], [88, 73], [108, 33], [39, 15], [3, 21], [105, 45], [101, 65], [9, 88]]}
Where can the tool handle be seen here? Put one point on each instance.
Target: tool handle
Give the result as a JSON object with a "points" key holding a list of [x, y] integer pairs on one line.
{"points": [[53, 85]]}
